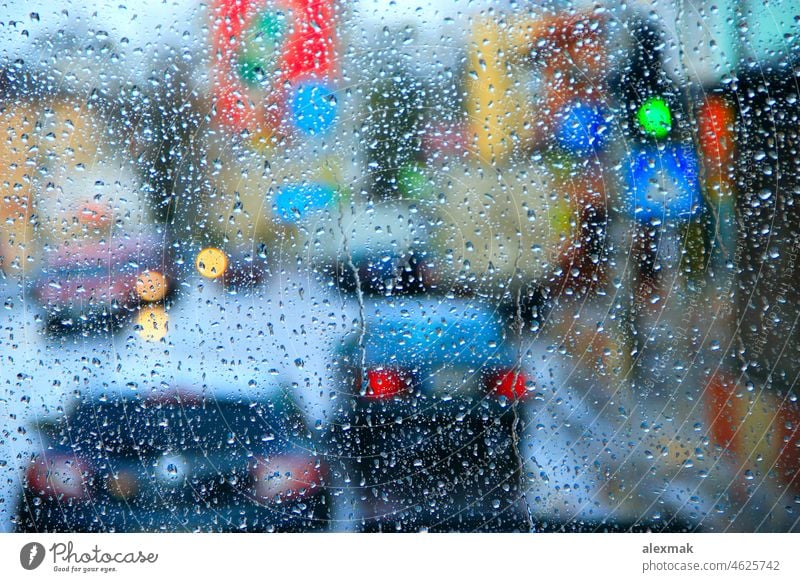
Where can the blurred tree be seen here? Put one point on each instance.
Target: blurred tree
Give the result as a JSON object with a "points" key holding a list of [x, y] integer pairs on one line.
{"points": [[394, 120], [163, 120]]}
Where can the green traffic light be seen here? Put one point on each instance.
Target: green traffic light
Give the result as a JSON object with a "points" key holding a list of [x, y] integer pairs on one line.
{"points": [[655, 117]]}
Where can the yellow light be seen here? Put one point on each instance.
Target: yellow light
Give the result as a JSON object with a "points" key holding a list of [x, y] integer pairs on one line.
{"points": [[211, 263], [152, 322], [151, 286]]}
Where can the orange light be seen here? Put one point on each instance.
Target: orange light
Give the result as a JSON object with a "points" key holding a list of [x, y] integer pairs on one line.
{"points": [[123, 485], [152, 323], [96, 215], [151, 286]]}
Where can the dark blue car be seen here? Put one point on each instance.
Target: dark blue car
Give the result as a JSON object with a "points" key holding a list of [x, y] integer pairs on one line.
{"points": [[176, 462], [424, 436]]}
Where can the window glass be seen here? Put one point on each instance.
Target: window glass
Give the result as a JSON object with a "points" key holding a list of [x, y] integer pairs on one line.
{"points": [[310, 265]]}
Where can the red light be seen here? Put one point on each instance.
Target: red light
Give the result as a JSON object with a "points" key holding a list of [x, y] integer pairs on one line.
{"points": [[386, 382], [286, 477], [721, 392], [716, 120], [510, 383], [309, 51], [788, 462]]}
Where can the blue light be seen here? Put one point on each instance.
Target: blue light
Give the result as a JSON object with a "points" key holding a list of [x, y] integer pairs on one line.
{"points": [[313, 107], [295, 202], [662, 184], [583, 129]]}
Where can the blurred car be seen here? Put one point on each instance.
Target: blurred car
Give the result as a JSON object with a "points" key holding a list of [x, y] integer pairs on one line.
{"points": [[378, 248], [99, 280], [103, 245], [175, 461], [80, 224], [424, 436]]}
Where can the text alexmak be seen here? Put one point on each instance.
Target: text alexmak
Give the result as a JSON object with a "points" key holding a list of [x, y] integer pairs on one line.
{"points": [[653, 549]]}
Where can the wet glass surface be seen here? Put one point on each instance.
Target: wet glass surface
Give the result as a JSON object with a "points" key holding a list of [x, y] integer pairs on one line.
{"points": [[305, 265]]}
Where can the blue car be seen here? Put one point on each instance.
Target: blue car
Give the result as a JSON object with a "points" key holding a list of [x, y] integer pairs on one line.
{"points": [[424, 432]]}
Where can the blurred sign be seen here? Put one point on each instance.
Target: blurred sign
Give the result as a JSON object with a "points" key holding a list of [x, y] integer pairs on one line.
{"points": [[274, 61], [551, 50], [662, 183]]}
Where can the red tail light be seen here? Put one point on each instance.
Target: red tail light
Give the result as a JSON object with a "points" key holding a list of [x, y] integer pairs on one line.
{"points": [[59, 475], [286, 478], [386, 382], [508, 383]]}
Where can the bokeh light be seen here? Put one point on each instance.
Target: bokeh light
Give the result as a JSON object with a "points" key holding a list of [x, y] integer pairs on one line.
{"points": [[655, 117], [211, 263]]}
